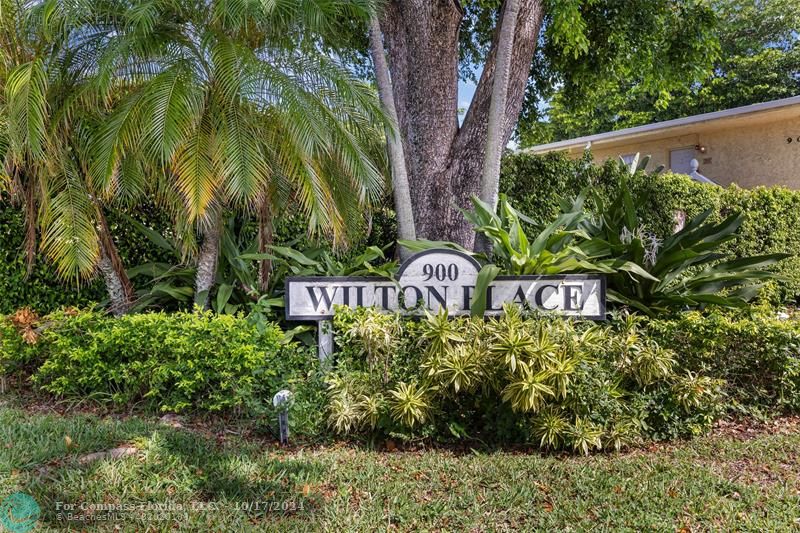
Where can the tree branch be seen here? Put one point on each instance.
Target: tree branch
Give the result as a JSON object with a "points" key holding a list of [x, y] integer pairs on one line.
{"points": [[490, 178], [529, 23], [397, 159]]}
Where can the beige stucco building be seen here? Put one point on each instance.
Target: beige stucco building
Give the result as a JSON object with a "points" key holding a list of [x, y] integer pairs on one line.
{"points": [[751, 145]]}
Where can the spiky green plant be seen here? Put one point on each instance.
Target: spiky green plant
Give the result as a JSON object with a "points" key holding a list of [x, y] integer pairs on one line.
{"points": [[515, 346], [693, 391], [651, 363], [682, 270], [371, 408], [409, 404], [551, 428], [460, 368], [344, 414], [556, 248], [439, 332], [349, 408], [622, 433], [585, 436], [376, 333], [577, 386], [560, 372], [528, 391]]}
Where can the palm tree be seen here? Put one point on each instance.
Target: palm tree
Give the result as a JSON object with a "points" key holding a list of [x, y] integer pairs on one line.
{"points": [[237, 107], [46, 118]]}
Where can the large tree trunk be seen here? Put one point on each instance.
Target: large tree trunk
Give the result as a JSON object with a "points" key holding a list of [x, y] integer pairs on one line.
{"points": [[118, 284], [445, 161], [207, 261], [397, 159]]}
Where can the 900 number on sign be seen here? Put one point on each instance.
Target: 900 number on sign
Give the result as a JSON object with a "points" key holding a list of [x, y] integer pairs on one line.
{"points": [[440, 272]]}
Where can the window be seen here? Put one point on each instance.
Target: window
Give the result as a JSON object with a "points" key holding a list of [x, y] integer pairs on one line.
{"points": [[680, 160]]}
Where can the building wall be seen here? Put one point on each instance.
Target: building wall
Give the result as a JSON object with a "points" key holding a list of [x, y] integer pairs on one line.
{"points": [[746, 152]]}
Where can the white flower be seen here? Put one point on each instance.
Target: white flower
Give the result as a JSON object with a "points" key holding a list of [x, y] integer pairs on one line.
{"points": [[626, 236], [653, 244]]}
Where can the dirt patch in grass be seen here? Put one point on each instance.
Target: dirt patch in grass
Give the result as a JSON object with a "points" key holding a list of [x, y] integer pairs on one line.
{"points": [[748, 428]]}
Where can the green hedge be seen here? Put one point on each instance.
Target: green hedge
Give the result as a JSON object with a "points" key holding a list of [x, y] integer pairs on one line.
{"points": [[535, 184], [756, 352], [41, 289], [167, 362]]}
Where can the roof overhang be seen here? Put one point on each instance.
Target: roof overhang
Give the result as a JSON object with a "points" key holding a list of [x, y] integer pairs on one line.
{"points": [[755, 113]]}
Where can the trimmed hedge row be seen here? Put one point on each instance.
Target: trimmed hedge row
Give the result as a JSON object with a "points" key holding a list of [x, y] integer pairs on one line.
{"points": [[167, 362], [756, 352], [205, 362], [772, 214]]}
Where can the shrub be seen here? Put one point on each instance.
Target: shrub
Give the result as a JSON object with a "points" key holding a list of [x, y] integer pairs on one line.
{"points": [[554, 382], [170, 362], [536, 183], [754, 351], [41, 289]]}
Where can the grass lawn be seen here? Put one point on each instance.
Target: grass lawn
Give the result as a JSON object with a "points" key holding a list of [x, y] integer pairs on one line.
{"points": [[736, 479]]}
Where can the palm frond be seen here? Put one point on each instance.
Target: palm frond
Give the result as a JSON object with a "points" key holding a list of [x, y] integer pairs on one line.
{"points": [[69, 236], [26, 97], [195, 173]]}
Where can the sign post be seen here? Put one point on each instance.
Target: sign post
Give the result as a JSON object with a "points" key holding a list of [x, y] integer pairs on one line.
{"points": [[324, 340]]}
